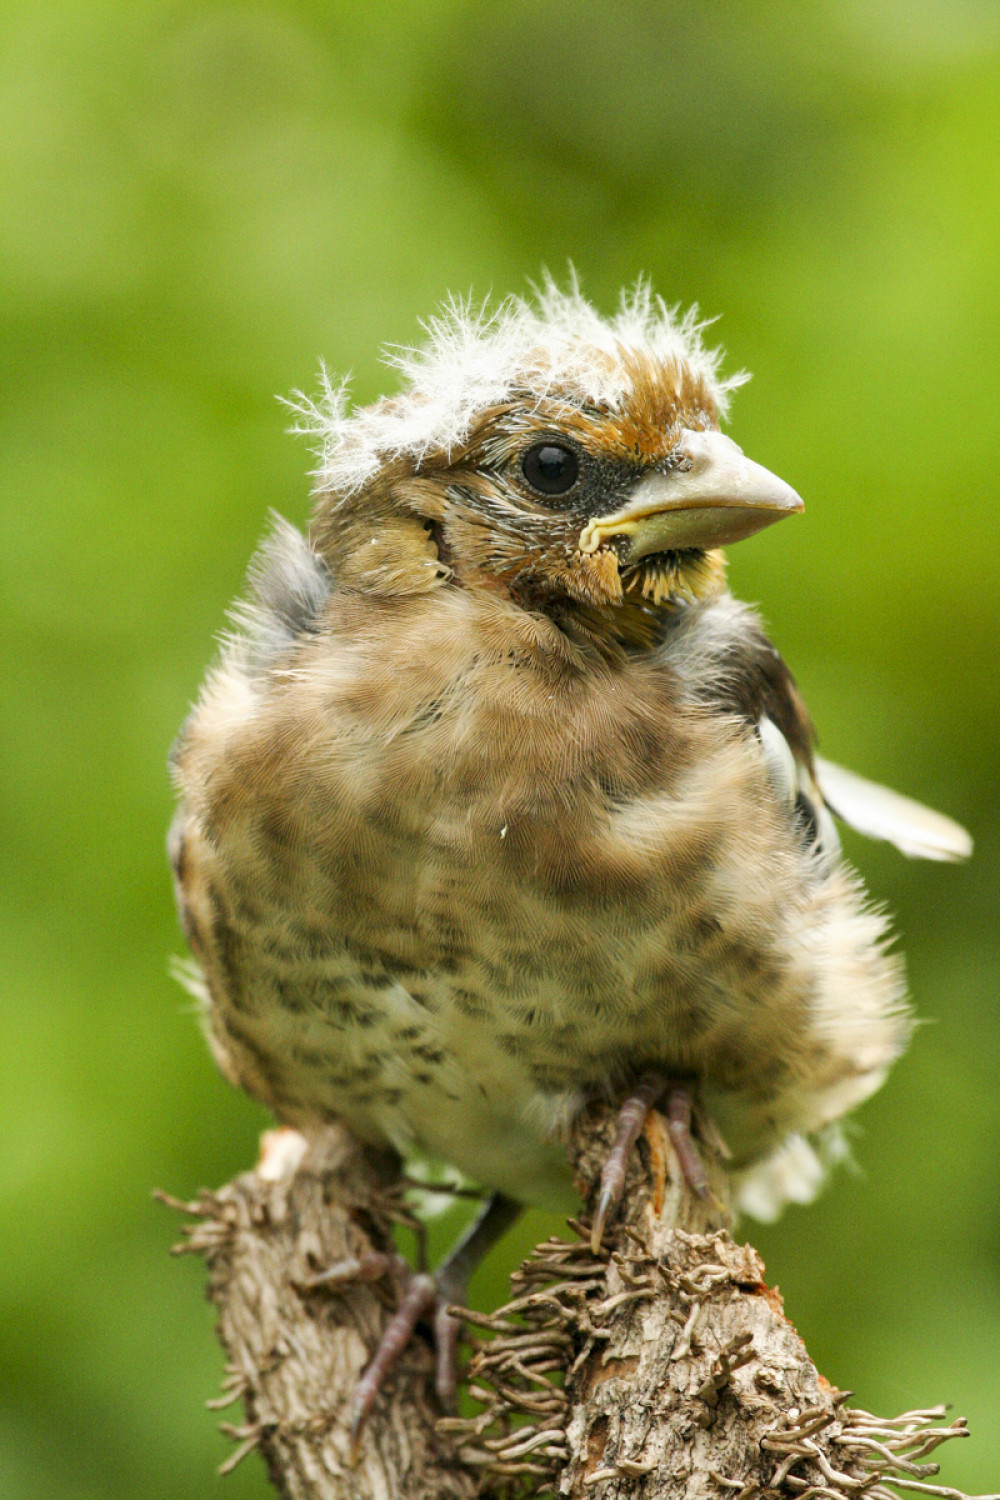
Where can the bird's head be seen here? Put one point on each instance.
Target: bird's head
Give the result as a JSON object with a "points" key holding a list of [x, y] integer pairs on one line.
{"points": [[547, 453]]}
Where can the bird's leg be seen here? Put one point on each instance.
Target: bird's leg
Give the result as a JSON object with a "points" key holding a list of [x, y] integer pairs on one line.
{"points": [[422, 1294], [631, 1118], [680, 1100], [452, 1279]]}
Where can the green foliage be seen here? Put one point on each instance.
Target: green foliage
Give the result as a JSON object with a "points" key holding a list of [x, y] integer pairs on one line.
{"points": [[198, 201]]}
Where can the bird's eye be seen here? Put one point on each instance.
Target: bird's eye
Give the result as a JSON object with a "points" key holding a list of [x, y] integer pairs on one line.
{"points": [[550, 468]]}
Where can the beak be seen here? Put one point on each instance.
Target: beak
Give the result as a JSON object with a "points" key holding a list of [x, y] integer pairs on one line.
{"points": [[718, 498]]}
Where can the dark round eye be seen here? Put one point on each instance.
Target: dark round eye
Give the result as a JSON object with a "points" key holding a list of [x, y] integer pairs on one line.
{"points": [[550, 468]]}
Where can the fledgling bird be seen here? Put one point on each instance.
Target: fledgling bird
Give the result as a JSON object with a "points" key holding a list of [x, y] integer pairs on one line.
{"points": [[497, 797]]}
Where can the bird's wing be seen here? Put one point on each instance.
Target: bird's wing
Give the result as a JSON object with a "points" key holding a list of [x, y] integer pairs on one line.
{"points": [[883, 814], [793, 780], [725, 657]]}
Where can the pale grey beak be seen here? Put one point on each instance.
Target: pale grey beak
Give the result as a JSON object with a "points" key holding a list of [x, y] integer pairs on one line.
{"points": [[716, 497]]}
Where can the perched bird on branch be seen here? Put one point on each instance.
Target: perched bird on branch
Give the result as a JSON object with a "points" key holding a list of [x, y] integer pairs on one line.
{"points": [[498, 798]]}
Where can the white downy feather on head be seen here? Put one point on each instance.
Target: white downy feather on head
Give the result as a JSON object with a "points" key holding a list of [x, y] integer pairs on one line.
{"points": [[478, 356]]}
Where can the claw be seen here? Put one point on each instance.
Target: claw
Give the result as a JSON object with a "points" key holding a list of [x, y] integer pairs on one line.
{"points": [[604, 1202], [369, 1267], [631, 1118]]}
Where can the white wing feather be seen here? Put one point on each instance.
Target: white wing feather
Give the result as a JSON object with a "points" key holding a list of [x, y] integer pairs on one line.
{"points": [[883, 814]]}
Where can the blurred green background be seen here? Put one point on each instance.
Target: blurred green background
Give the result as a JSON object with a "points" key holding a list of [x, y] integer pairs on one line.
{"points": [[198, 201]]}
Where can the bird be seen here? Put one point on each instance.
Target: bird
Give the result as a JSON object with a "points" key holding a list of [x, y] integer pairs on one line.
{"points": [[497, 799]]}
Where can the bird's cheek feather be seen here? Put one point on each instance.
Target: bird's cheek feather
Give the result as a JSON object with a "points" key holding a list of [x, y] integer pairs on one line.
{"points": [[594, 578]]}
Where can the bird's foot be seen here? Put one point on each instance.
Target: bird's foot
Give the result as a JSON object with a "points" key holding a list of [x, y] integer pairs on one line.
{"points": [[631, 1118], [423, 1297]]}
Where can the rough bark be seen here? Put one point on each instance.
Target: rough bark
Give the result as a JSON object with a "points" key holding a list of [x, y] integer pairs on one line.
{"points": [[663, 1366]]}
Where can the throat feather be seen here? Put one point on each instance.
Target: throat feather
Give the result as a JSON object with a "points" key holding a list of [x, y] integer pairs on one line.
{"points": [[668, 578]]}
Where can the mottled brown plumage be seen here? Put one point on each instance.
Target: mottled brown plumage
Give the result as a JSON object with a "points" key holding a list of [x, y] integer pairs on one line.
{"points": [[497, 798]]}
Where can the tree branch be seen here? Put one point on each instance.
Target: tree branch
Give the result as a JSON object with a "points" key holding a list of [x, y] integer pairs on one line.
{"points": [[295, 1355], [662, 1367]]}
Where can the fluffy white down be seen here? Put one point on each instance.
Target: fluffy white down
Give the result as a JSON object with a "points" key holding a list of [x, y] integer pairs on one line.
{"points": [[793, 1174], [475, 356]]}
